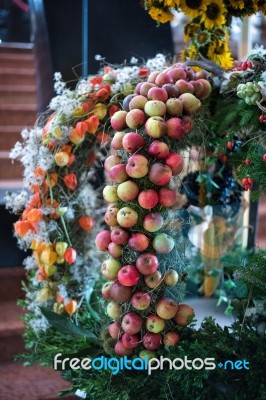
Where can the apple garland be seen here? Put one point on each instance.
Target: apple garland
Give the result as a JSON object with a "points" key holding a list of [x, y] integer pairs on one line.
{"points": [[143, 270]]}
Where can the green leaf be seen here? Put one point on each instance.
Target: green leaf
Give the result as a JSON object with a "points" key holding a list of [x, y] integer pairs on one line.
{"points": [[89, 294], [65, 325], [241, 290]]}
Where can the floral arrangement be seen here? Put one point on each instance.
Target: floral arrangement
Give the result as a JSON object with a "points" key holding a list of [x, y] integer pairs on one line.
{"points": [[208, 28]]}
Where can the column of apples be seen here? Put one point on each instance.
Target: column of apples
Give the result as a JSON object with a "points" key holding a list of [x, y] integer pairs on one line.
{"points": [[141, 167]]}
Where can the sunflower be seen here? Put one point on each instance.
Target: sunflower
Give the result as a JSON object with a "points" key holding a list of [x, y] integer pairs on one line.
{"points": [[202, 38], [190, 52], [262, 6], [192, 8], [219, 53], [190, 30], [160, 15], [214, 14], [237, 4], [171, 3]]}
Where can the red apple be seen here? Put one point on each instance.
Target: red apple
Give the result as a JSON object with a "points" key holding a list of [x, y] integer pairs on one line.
{"points": [[106, 290], [155, 127], [118, 120], [184, 86], [152, 76], [116, 142], [160, 174], [175, 128], [153, 280], [102, 240], [132, 141], [184, 315], [166, 308], [110, 215], [152, 341], [171, 339], [141, 300], [175, 162], [128, 275], [111, 161], [115, 330], [147, 263], [138, 242], [131, 323], [137, 166], [153, 222], [121, 350], [156, 93], [155, 108], [187, 123], [120, 293], [128, 191], [115, 250], [118, 173], [148, 198], [163, 243], [135, 118], [170, 277], [154, 323], [177, 73], [127, 217], [145, 87], [158, 149], [127, 100], [113, 310], [162, 78], [139, 102], [207, 89], [119, 235], [171, 89], [129, 340], [190, 103], [110, 268], [167, 197]]}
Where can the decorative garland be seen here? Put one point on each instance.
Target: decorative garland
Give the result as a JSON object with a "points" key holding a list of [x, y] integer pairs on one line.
{"points": [[208, 28]]}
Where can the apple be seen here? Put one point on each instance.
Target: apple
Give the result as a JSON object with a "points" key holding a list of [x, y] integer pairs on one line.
{"points": [[138, 242], [148, 198], [121, 350], [162, 78], [171, 339], [118, 173], [114, 310], [206, 89], [167, 197], [156, 127], [110, 194], [184, 315], [153, 222], [184, 86], [120, 293], [138, 101], [187, 123], [166, 308], [119, 235], [160, 174], [115, 250], [106, 290], [141, 300], [155, 108], [202, 74], [174, 107], [177, 73], [153, 280], [175, 128], [110, 268], [132, 142], [152, 76], [190, 73], [147, 263], [111, 161], [116, 142], [118, 120], [171, 89], [128, 275], [147, 355], [152, 341], [128, 191], [129, 340], [158, 149], [163, 243], [145, 87], [115, 330], [137, 166], [170, 277], [190, 103], [156, 93], [127, 100], [198, 88], [175, 162], [110, 215], [154, 323], [102, 240], [127, 217], [131, 323], [135, 118]]}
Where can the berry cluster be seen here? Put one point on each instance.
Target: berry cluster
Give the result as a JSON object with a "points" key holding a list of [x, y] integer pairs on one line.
{"points": [[148, 129]]}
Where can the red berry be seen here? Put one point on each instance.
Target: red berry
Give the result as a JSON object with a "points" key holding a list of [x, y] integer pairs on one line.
{"points": [[244, 66], [249, 64], [264, 157], [223, 158], [244, 181], [262, 118], [247, 162], [229, 145]]}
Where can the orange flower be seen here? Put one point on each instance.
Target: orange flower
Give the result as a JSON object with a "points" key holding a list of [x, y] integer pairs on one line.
{"points": [[96, 80], [71, 307], [113, 109], [70, 181], [87, 105], [61, 158], [26, 213], [53, 204], [70, 255], [86, 223], [35, 188], [71, 159], [102, 137], [52, 179], [75, 138], [59, 298], [35, 201], [92, 123], [22, 227], [102, 94], [35, 215], [39, 172], [107, 69], [81, 128], [66, 148], [48, 257]]}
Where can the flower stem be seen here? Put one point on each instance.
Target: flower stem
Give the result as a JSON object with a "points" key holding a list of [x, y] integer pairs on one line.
{"points": [[65, 230]]}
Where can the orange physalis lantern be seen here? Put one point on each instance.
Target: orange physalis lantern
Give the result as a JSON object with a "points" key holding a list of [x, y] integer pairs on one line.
{"points": [[22, 227], [35, 215], [70, 255], [70, 181], [86, 223], [71, 307]]}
